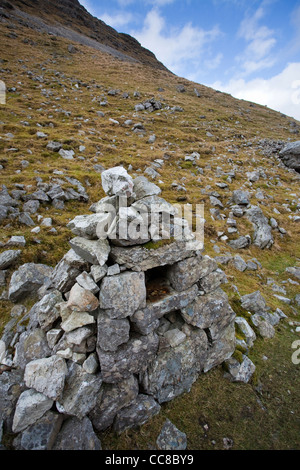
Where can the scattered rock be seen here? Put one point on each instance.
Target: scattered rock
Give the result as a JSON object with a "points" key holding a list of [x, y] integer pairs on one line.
{"points": [[171, 438]]}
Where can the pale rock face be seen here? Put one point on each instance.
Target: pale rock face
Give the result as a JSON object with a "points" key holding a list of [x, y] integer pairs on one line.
{"points": [[92, 251], [31, 406], [117, 182], [82, 300], [46, 376]]}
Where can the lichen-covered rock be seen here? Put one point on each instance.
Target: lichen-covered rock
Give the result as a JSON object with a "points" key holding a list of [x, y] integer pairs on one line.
{"points": [[222, 343], [184, 274], [173, 372], [80, 392], [46, 375], [290, 155], [263, 237], [143, 188], [11, 387], [121, 295], [77, 434], [113, 398], [112, 332], [8, 257], [31, 406], [240, 372], [142, 259], [92, 251], [40, 435], [138, 413], [208, 309], [117, 182], [170, 438], [146, 320], [254, 302], [32, 345], [27, 280], [130, 358], [65, 272]]}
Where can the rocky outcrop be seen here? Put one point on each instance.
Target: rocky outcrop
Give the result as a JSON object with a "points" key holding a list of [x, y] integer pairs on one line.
{"points": [[290, 155], [117, 332]]}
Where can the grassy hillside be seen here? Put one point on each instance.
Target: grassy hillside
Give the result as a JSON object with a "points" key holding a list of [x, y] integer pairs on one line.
{"points": [[62, 94]]}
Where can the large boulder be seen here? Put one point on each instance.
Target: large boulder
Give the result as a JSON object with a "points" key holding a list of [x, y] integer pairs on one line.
{"points": [[263, 237], [290, 155]]}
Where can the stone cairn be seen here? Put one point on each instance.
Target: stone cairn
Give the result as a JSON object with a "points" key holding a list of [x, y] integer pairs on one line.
{"points": [[124, 326]]}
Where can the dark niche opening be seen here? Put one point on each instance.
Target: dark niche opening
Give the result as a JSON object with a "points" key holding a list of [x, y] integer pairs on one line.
{"points": [[157, 284]]}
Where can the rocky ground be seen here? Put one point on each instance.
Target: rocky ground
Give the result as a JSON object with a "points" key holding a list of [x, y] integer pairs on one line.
{"points": [[71, 112]]}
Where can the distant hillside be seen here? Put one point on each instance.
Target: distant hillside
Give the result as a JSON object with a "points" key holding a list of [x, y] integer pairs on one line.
{"points": [[66, 15]]}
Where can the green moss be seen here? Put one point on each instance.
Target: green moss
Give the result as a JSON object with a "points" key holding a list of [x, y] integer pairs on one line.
{"points": [[158, 244], [238, 355]]}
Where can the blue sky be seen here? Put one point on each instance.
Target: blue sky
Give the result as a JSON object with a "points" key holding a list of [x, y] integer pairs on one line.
{"points": [[248, 48]]}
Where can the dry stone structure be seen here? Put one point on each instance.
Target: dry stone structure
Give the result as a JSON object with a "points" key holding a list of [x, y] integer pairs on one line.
{"points": [[123, 326]]}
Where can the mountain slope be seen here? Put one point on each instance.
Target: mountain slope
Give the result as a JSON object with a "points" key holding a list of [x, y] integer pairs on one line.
{"points": [[69, 19]]}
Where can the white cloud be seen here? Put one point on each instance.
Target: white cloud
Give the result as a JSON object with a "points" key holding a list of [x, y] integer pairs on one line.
{"points": [[260, 39], [176, 48], [281, 92], [117, 21]]}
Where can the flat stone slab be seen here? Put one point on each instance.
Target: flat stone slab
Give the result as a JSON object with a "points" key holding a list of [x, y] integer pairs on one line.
{"points": [[141, 259]]}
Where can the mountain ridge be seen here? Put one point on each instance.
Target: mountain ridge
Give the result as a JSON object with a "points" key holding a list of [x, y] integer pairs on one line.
{"points": [[70, 14]]}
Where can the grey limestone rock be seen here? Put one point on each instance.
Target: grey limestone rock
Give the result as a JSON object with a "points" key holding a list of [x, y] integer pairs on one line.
{"points": [[31, 406], [170, 438], [27, 280], [113, 398], [116, 181], [130, 358], [240, 372], [42, 434], [8, 257], [77, 434], [142, 259], [80, 391], [121, 295], [263, 237], [92, 251], [138, 413], [290, 155], [46, 376], [174, 371]]}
